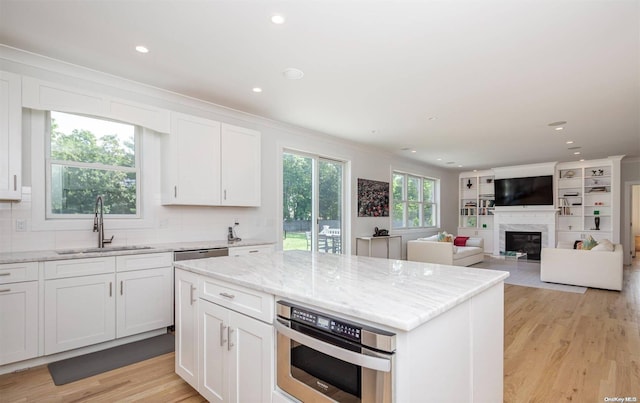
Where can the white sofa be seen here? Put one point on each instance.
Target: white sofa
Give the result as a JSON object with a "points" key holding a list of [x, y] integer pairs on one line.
{"points": [[431, 251], [587, 268]]}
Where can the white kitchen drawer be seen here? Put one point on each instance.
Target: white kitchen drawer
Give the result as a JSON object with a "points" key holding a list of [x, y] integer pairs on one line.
{"points": [[253, 303], [18, 272], [79, 267], [144, 261], [247, 250]]}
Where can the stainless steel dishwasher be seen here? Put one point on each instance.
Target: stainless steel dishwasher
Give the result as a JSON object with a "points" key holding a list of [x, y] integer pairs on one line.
{"points": [[200, 253], [195, 254]]}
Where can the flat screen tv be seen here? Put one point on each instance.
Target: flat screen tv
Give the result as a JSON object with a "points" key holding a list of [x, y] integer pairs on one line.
{"points": [[529, 191]]}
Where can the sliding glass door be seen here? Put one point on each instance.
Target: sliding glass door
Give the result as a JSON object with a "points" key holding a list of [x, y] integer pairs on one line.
{"points": [[312, 203]]}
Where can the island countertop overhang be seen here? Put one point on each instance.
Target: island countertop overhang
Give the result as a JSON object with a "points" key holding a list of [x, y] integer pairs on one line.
{"points": [[394, 293]]}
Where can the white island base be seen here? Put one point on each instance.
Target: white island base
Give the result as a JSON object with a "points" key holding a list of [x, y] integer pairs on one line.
{"points": [[448, 321]]}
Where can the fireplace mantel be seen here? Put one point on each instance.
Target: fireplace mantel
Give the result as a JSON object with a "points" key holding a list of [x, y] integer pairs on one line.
{"points": [[530, 219]]}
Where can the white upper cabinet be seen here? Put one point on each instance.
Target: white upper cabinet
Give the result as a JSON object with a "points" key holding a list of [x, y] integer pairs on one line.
{"points": [[207, 163], [10, 137], [191, 162], [240, 166]]}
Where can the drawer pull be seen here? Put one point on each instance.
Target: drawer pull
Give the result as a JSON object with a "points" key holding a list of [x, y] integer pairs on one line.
{"points": [[5, 290], [121, 286], [254, 251], [191, 296], [5, 274], [230, 296]]}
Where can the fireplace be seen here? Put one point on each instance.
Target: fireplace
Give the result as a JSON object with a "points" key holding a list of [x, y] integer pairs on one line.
{"points": [[524, 241]]}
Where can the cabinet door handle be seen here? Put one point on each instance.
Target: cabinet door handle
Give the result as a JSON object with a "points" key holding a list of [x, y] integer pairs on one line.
{"points": [[191, 294], [230, 296], [15, 182], [5, 274], [5, 290], [222, 340], [225, 194], [229, 333], [175, 191], [121, 287], [110, 288]]}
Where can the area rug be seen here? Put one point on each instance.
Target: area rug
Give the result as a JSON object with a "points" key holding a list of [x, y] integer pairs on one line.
{"points": [[525, 273], [84, 366]]}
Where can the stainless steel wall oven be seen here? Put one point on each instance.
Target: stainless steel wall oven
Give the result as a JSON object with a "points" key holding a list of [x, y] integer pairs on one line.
{"points": [[322, 358]]}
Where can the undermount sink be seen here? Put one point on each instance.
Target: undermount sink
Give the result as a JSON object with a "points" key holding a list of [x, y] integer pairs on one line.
{"points": [[101, 250]]}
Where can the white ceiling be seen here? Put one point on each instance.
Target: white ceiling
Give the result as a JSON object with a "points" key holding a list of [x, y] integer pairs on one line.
{"points": [[473, 83]]}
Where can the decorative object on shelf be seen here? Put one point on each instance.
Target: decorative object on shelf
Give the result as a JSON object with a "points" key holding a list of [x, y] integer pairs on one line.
{"points": [[489, 180], [596, 212], [380, 232], [373, 198], [471, 221], [597, 172], [569, 174], [598, 189], [596, 220], [570, 194], [469, 184]]}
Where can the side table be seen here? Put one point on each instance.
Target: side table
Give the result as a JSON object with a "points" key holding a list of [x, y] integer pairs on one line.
{"points": [[388, 247]]}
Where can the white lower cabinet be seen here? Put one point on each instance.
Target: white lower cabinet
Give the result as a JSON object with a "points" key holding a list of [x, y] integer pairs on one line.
{"points": [[18, 321], [144, 300], [248, 250], [186, 296], [236, 356], [80, 310], [226, 355]]}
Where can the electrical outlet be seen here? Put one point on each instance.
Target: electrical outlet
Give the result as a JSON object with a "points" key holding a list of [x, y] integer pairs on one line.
{"points": [[21, 225]]}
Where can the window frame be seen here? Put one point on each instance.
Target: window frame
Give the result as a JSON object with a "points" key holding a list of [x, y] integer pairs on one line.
{"points": [[49, 162], [421, 203], [34, 122]]}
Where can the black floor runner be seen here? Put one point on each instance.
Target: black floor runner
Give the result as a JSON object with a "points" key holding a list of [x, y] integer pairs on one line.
{"points": [[84, 366]]}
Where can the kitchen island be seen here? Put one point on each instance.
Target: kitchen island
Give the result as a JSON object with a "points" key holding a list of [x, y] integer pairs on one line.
{"points": [[448, 320]]}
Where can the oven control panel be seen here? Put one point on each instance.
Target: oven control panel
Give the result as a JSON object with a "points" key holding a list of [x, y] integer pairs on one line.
{"points": [[339, 328]]}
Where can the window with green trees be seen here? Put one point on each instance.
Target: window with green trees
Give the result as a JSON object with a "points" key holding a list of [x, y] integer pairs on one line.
{"points": [[87, 157], [415, 201]]}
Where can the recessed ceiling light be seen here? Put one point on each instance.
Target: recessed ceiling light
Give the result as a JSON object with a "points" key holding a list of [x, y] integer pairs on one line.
{"points": [[292, 73], [257, 89], [559, 128], [142, 49], [569, 142], [558, 123], [459, 166], [277, 19], [576, 153], [438, 159], [413, 151], [432, 118], [581, 159]]}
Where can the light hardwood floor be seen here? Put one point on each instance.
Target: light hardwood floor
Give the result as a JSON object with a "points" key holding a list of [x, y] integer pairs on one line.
{"points": [[559, 347]]}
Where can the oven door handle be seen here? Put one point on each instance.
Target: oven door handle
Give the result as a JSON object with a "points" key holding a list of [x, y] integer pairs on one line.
{"points": [[366, 361]]}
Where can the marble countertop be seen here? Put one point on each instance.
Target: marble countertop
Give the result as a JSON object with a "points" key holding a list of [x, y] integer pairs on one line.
{"points": [[76, 253], [396, 293]]}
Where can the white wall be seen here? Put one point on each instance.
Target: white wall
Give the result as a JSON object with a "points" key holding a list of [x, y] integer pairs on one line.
{"points": [[182, 223], [630, 176]]}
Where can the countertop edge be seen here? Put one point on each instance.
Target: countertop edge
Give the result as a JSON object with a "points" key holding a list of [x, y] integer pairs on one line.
{"points": [[51, 255]]}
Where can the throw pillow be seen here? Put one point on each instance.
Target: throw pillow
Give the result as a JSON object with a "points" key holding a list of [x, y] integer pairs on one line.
{"points": [[460, 240], [444, 237], [429, 238], [578, 245], [604, 245], [589, 243]]}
